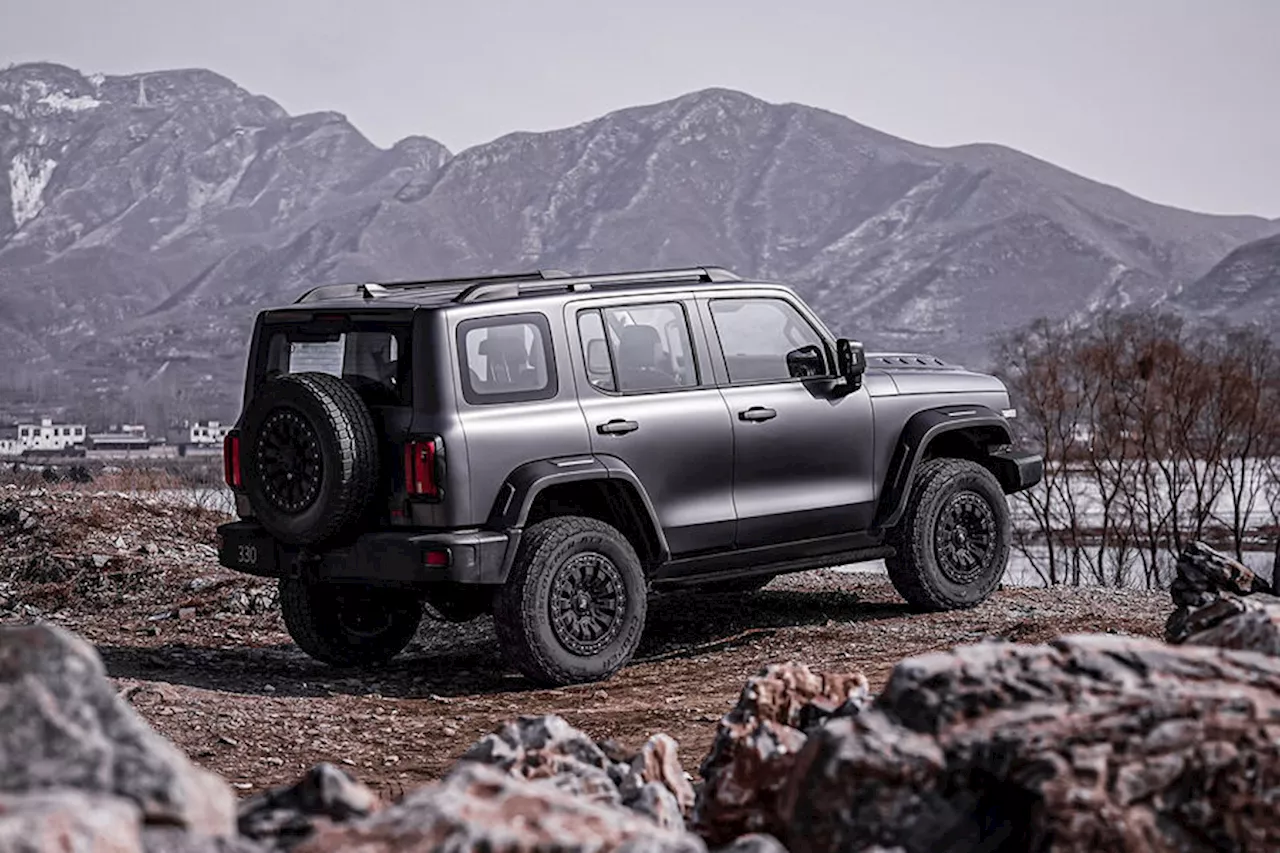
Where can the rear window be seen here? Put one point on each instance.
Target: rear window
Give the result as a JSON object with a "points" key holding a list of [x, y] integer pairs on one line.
{"points": [[374, 359]]}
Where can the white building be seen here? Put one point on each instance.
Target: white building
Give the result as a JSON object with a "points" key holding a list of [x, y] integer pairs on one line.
{"points": [[49, 436], [210, 432]]}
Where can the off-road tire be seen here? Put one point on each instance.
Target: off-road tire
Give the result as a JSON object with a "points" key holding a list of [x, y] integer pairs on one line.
{"points": [[917, 569], [317, 614], [735, 586], [348, 452], [523, 605]]}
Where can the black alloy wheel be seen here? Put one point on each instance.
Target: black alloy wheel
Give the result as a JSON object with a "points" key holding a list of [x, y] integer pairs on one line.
{"points": [[290, 464], [965, 537], [586, 603]]}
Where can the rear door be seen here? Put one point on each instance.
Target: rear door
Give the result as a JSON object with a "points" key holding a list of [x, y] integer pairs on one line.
{"points": [[650, 401], [371, 351], [802, 447]]}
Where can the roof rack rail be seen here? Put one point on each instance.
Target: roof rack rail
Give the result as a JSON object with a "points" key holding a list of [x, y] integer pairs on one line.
{"points": [[375, 289], [483, 290]]}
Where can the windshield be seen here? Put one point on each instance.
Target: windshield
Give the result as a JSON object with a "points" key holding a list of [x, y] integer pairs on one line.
{"points": [[373, 358]]}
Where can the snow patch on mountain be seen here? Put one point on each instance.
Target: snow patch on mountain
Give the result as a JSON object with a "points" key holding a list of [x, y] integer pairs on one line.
{"points": [[28, 177], [62, 102]]}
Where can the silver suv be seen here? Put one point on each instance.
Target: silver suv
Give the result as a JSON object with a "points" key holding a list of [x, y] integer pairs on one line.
{"points": [[554, 448]]}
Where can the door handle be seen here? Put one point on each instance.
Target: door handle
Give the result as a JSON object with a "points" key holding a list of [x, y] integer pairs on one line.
{"points": [[617, 426], [757, 413]]}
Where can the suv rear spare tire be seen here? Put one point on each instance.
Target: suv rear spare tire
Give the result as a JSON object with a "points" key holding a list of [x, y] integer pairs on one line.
{"points": [[348, 625], [574, 606], [310, 457], [952, 544]]}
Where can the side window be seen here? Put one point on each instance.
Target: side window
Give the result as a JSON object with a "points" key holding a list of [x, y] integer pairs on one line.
{"points": [[638, 347], [506, 359], [595, 349], [766, 339]]}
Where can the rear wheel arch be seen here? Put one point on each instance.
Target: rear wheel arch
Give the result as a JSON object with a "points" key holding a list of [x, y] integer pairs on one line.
{"points": [[593, 487], [614, 501]]}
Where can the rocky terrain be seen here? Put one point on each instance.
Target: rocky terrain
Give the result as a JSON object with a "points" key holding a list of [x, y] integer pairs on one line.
{"points": [[1083, 742], [146, 217]]}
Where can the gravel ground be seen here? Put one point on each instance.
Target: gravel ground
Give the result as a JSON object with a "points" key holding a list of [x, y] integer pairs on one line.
{"points": [[202, 654]]}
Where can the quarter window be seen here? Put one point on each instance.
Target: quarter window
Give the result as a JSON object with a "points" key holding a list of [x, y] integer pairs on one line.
{"points": [[766, 340], [638, 348], [507, 359]]}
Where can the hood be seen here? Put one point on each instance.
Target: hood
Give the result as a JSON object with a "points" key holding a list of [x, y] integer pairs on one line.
{"points": [[918, 373]]}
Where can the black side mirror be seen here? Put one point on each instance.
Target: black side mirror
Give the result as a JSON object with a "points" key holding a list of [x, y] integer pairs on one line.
{"points": [[851, 361], [807, 362]]}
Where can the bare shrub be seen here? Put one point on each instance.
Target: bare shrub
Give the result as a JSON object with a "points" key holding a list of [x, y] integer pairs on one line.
{"points": [[1154, 434]]}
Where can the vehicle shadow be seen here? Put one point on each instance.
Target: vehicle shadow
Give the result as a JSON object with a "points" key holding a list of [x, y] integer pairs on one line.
{"points": [[449, 660]]}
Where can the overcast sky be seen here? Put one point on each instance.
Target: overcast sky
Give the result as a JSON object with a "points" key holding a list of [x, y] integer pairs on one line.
{"points": [[1175, 100]]}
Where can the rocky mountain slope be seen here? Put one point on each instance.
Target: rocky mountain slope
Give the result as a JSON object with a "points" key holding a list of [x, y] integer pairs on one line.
{"points": [[146, 217], [1243, 287]]}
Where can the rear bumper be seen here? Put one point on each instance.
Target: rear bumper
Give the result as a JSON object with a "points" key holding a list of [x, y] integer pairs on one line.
{"points": [[391, 558], [1017, 470]]}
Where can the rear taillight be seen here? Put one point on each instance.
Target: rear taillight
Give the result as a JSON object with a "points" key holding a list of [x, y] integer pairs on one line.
{"points": [[231, 460], [422, 468]]}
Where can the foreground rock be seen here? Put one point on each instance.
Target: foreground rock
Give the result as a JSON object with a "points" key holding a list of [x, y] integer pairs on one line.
{"points": [[62, 726], [69, 821], [651, 783], [479, 807], [1210, 589], [1092, 743], [323, 797], [757, 742]]}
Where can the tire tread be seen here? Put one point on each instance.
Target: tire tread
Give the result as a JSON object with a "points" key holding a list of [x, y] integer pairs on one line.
{"points": [[515, 616], [357, 440], [307, 626], [905, 568]]}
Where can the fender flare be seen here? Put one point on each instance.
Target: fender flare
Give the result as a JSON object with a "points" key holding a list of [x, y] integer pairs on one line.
{"points": [[516, 496], [917, 434]]}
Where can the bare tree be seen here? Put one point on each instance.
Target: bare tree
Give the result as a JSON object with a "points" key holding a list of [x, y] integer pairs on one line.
{"points": [[1154, 434]]}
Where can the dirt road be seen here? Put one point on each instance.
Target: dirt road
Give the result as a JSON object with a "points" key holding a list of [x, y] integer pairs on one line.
{"points": [[239, 698], [202, 654]]}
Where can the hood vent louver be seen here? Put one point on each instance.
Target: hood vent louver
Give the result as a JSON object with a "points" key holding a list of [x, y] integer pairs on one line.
{"points": [[908, 361]]}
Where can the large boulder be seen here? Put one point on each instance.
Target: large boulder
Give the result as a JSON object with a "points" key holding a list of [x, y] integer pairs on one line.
{"points": [[757, 742], [1091, 743], [62, 726], [481, 807]]}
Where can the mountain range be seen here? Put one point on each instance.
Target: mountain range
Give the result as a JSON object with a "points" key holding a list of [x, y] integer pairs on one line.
{"points": [[146, 218]]}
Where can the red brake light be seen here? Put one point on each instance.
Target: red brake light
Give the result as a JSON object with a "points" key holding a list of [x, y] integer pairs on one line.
{"points": [[231, 460], [420, 475]]}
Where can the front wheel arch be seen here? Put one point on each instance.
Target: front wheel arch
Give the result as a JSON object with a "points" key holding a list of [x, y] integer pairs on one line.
{"points": [[961, 432]]}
